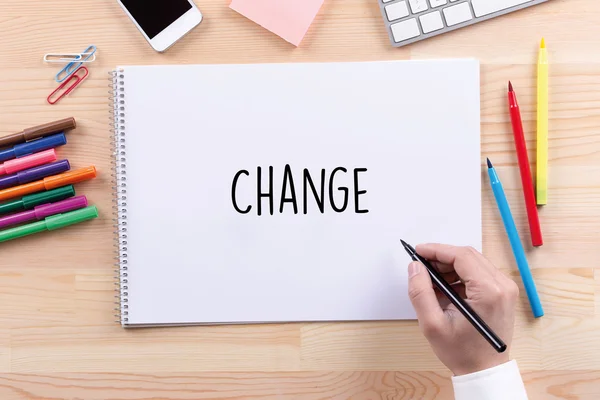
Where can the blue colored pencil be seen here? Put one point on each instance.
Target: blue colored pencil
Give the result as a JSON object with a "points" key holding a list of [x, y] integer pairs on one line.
{"points": [[515, 242]]}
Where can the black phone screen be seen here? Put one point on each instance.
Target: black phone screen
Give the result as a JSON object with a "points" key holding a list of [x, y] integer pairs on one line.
{"points": [[153, 16]]}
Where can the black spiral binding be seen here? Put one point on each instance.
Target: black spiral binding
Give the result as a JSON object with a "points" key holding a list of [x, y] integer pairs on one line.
{"points": [[119, 186]]}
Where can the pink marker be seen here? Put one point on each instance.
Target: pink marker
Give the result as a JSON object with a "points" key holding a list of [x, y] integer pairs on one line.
{"points": [[43, 211], [33, 160]]}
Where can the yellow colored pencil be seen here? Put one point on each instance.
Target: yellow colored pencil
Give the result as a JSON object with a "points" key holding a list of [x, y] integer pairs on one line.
{"points": [[542, 127]]}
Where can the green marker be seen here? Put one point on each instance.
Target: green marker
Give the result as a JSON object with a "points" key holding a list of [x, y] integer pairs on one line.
{"points": [[33, 200], [50, 224]]}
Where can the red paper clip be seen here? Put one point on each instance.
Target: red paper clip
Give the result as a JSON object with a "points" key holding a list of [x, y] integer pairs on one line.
{"points": [[78, 79]]}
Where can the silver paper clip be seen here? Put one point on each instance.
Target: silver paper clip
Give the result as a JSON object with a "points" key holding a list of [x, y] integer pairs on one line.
{"points": [[68, 57], [72, 66]]}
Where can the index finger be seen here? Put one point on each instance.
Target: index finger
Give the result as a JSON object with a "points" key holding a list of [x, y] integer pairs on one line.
{"points": [[468, 263]]}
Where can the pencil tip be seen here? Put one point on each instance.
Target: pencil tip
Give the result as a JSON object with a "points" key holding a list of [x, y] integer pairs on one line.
{"points": [[510, 87], [489, 163], [403, 242], [543, 44]]}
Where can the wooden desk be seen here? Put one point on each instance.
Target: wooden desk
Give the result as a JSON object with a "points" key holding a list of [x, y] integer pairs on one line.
{"points": [[58, 339]]}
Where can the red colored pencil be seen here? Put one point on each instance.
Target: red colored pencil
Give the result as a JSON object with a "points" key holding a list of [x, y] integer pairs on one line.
{"points": [[526, 179]]}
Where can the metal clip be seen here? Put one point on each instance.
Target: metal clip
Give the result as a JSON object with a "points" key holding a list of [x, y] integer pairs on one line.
{"points": [[61, 58], [73, 66], [74, 76]]}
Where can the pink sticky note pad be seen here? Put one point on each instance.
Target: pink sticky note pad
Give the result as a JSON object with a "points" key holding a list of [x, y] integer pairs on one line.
{"points": [[289, 19]]}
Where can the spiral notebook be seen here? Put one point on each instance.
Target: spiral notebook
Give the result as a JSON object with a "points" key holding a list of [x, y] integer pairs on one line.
{"points": [[270, 193]]}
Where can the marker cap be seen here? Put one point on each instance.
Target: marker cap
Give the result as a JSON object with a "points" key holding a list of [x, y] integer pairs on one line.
{"points": [[74, 217]]}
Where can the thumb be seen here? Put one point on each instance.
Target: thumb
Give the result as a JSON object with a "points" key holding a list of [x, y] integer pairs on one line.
{"points": [[422, 296]]}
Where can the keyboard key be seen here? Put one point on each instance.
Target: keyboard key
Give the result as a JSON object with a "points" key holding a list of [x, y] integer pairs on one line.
{"points": [[405, 30], [486, 7], [396, 11], [437, 3], [418, 6], [432, 21], [459, 13]]}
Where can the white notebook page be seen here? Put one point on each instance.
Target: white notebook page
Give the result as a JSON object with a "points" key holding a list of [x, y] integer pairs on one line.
{"points": [[413, 125]]}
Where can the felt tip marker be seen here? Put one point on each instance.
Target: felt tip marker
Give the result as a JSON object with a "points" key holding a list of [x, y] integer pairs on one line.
{"points": [[525, 168], [51, 182], [23, 163], [35, 146], [43, 211], [51, 223], [33, 174], [515, 242], [541, 176], [32, 200], [39, 131]]}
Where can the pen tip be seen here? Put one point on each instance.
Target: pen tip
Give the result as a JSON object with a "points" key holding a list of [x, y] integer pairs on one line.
{"points": [[409, 249], [510, 87], [543, 44], [489, 163]]}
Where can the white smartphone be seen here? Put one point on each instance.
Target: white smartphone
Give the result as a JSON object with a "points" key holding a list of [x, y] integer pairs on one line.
{"points": [[162, 22]]}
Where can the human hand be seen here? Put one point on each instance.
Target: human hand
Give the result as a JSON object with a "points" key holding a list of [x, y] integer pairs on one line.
{"points": [[489, 292]]}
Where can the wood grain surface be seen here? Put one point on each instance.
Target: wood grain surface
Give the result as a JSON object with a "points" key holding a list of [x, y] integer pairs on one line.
{"points": [[58, 339]]}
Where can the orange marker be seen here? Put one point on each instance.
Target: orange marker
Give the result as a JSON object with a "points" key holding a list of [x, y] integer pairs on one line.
{"points": [[49, 183]]}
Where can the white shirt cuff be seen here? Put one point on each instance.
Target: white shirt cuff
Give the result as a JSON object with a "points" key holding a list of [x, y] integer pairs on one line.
{"points": [[497, 383]]}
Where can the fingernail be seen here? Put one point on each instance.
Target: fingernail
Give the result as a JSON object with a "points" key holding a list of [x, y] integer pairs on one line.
{"points": [[414, 269]]}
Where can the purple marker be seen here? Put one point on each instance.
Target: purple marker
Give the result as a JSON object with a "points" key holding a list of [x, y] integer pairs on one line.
{"points": [[34, 174], [43, 211]]}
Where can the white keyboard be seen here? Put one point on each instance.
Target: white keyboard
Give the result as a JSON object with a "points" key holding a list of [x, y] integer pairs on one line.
{"points": [[409, 21]]}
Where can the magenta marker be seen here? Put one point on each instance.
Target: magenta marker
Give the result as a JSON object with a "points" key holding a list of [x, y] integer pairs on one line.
{"points": [[43, 211]]}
